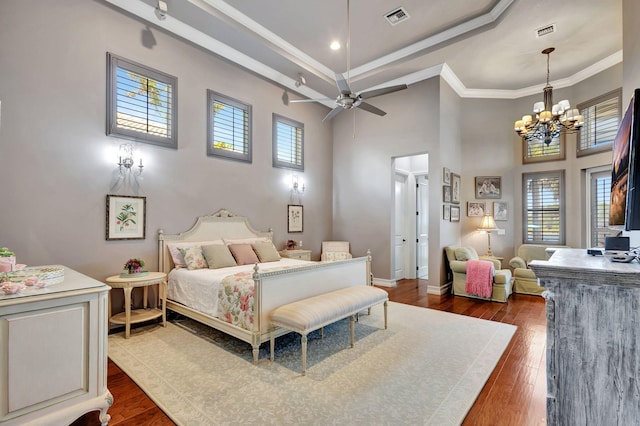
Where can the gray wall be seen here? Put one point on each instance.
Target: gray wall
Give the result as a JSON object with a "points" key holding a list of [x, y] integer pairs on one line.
{"points": [[58, 165], [631, 48]]}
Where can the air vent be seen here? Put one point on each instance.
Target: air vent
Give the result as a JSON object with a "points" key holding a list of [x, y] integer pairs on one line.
{"points": [[396, 16], [548, 29]]}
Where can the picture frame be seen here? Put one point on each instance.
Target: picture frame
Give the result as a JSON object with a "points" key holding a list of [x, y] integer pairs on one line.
{"points": [[446, 176], [500, 210], [446, 212], [446, 193], [455, 188], [126, 217], [488, 187], [455, 214], [476, 209], [294, 218]]}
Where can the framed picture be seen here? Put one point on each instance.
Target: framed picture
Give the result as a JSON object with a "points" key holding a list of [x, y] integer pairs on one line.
{"points": [[500, 210], [446, 193], [294, 218], [455, 189], [488, 187], [126, 217], [446, 212], [475, 209], [446, 176], [455, 214]]}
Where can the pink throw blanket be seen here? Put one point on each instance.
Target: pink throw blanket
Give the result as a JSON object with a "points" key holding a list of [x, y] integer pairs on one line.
{"points": [[479, 278]]}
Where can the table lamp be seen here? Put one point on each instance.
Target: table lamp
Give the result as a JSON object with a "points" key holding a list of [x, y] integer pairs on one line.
{"points": [[488, 225]]}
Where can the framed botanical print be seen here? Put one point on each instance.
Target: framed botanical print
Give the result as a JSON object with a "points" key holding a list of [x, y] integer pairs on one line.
{"points": [[446, 176], [126, 217], [488, 187], [294, 218], [455, 188], [446, 212]]}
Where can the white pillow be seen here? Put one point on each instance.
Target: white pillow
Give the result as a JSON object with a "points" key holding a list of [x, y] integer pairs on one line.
{"points": [[178, 258]]}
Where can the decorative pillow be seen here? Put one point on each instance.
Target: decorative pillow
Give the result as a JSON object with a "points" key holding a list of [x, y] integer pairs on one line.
{"points": [[243, 254], [466, 253], [178, 259], [266, 251], [248, 240], [193, 257], [218, 256]]}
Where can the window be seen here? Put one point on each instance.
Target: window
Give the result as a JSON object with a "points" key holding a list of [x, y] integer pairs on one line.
{"points": [[536, 151], [228, 127], [601, 121], [600, 183], [141, 103], [288, 143], [543, 207]]}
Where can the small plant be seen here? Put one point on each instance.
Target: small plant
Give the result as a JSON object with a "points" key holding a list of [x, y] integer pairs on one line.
{"points": [[133, 265], [4, 252]]}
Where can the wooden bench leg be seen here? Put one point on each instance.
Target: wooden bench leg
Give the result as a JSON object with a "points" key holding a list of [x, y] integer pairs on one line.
{"points": [[303, 339], [385, 314], [322, 332], [272, 344], [352, 320]]}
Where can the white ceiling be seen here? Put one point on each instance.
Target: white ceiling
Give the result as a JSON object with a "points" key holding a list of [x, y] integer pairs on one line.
{"points": [[483, 48]]}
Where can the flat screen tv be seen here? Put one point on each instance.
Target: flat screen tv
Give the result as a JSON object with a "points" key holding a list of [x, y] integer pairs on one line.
{"points": [[624, 212]]}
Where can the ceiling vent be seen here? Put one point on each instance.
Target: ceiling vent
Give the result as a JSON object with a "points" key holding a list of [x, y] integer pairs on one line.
{"points": [[547, 29], [396, 16]]}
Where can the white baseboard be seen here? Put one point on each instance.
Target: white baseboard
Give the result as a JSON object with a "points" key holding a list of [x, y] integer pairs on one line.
{"points": [[439, 290], [384, 283]]}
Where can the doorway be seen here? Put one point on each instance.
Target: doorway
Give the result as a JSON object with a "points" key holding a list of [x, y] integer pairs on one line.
{"points": [[410, 218]]}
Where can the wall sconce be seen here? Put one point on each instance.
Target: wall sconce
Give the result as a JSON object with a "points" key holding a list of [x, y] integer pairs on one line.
{"points": [[125, 160], [297, 186]]}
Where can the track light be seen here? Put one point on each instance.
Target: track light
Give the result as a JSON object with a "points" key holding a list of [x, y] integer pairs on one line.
{"points": [[301, 80], [161, 10]]}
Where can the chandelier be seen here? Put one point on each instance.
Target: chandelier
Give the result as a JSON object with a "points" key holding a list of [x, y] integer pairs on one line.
{"points": [[550, 118]]}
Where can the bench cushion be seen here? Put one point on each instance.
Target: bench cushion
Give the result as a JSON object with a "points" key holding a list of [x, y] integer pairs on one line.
{"points": [[315, 312]]}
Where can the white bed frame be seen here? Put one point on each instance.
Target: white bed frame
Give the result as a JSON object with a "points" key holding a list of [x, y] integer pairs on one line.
{"points": [[272, 289]]}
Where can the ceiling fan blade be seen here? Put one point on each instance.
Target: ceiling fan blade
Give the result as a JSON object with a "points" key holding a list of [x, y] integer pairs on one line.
{"points": [[343, 86], [333, 113], [368, 107], [312, 100], [383, 91]]}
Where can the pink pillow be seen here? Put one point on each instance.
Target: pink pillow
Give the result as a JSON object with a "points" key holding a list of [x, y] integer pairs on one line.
{"points": [[244, 254]]}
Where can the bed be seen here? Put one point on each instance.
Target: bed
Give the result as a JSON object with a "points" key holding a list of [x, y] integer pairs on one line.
{"points": [[269, 284]]}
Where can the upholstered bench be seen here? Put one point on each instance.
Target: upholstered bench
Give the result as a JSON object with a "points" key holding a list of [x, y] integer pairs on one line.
{"points": [[307, 315]]}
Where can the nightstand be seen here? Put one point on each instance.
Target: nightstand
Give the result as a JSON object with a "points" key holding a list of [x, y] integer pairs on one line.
{"points": [[296, 254], [133, 316]]}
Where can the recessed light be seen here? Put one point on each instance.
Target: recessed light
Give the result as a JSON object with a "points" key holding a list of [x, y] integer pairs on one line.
{"points": [[335, 45]]}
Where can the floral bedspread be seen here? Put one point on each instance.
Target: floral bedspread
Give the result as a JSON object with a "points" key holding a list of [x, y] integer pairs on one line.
{"points": [[235, 298]]}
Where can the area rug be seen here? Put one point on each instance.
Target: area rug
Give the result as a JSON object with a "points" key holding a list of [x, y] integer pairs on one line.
{"points": [[428, 368]]}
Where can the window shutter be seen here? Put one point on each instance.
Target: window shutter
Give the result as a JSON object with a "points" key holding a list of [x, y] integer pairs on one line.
{"points": [[229, 127], [601, 121], [544, 222], [288, 144], [600, 202]]}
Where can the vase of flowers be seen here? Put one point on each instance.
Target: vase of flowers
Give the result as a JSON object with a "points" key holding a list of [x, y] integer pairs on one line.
{"points": [[133, 267], [7, 260]]}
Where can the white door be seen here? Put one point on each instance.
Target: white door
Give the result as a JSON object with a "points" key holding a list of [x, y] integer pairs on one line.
{"points": [[400, 225], [422, 227]]}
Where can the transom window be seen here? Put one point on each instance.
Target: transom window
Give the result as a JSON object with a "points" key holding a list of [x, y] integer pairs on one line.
{"points": [[229, 127], [141, 103], [536, 150], [601, 121], [543, 207], [288, 143]]}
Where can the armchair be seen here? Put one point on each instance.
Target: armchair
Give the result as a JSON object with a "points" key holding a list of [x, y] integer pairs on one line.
{"points": [[335, 250], [457, 258], [524, 280]]}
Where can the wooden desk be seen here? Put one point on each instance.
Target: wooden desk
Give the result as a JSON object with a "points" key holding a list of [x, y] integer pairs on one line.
{"points": [[133, 316]]}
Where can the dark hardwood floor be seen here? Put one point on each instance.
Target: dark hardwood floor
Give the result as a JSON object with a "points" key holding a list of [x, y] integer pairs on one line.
{"points": [[515, 393]]}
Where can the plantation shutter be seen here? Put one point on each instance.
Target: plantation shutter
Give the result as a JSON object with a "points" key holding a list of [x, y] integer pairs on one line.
{"points": [[601, 121], [544, 208], [600, 203], [288, 143], [229, 127]]}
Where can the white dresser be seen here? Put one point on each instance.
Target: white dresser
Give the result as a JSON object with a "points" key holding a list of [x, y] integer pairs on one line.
{"points": [[53, 352]]}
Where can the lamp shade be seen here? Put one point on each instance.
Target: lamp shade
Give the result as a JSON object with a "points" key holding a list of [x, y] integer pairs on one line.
{"points": [[487, 223]]}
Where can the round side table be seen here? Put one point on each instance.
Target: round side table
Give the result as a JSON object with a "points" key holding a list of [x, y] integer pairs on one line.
{"points": [[133, 316]]}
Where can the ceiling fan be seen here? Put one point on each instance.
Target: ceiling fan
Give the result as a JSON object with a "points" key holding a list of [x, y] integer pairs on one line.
{"points": [[347, 99]]}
